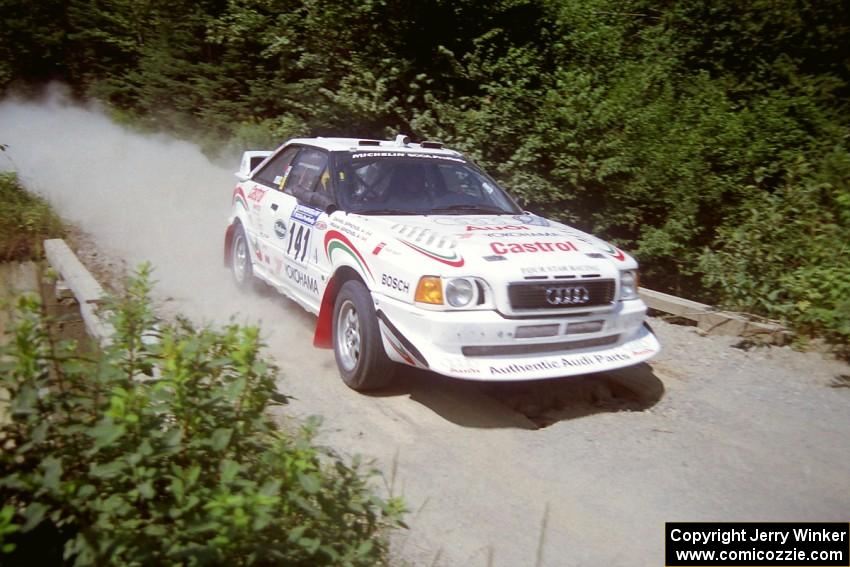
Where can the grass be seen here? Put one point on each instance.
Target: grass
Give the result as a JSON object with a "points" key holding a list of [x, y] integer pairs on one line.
{"points": [[25, 221]]}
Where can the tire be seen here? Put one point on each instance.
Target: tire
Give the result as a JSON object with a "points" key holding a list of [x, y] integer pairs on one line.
{"points": [[240, 261], [358, 348]]}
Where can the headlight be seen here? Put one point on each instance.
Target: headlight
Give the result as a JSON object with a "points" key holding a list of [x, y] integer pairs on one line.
{"points": [[457, 293], [460, 292], [629, 282]]}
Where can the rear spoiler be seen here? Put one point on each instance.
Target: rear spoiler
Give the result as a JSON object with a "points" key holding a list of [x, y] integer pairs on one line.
{"points": [[250, 161]]}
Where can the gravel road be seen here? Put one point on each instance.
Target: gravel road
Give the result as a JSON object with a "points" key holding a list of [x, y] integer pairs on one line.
{"points": [[581, 471]]}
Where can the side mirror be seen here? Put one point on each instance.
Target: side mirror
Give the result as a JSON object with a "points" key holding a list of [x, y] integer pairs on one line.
{"points": [[316, 199], [301, 194], [322, 201]]}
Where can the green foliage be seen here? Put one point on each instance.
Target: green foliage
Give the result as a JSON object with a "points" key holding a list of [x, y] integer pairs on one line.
{"points": [[159, 451], [25, 221], [32, 40], [785, 254]]}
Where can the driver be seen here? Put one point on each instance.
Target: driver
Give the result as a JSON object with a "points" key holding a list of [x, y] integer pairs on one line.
{"points": [[409, 187]]}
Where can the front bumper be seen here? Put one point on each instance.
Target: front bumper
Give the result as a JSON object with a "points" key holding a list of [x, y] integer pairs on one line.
{"points": [[482, 345]]}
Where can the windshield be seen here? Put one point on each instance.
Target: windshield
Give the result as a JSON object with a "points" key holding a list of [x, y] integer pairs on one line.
{"points": [[416, 184]]}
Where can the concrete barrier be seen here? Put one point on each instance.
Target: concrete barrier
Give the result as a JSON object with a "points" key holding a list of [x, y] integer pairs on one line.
{"points": [[715, 321], [76, 280]]}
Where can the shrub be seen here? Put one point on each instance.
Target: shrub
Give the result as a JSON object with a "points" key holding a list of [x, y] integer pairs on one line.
{"points": [[784, 254], [25, 220], [161, 452]]}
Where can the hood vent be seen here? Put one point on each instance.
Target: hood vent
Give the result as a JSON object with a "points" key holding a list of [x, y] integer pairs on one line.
{"points": [[423, 236]]}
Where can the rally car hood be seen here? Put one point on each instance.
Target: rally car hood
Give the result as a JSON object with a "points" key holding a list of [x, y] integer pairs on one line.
{"points": [[513, 245]]}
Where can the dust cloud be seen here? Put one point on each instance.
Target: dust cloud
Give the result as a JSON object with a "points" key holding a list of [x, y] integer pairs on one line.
{"points": [[142, 197]]}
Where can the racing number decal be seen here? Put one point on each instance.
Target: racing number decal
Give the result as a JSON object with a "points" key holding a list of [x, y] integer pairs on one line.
{"points": [[299, 240]]}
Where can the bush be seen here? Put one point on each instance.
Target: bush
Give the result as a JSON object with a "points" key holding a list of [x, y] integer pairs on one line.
{"points": [[784, 254], [161, 452], [25, 220]]}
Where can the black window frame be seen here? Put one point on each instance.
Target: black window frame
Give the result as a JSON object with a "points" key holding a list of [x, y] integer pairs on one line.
{"points": [[272, 161]]}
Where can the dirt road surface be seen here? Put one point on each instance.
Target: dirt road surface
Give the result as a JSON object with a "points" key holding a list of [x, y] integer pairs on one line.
{"points": [[581, 471]]}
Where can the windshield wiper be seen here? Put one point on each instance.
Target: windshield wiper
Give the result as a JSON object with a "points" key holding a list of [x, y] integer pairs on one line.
{"points": [[488, 209], [384, 212]]}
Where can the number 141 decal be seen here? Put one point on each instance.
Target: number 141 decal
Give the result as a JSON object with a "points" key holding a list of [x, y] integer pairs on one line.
{"points": [[298, 239]]}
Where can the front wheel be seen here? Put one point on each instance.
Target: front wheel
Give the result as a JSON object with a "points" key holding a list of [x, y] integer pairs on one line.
{"points": [[358, 349]]}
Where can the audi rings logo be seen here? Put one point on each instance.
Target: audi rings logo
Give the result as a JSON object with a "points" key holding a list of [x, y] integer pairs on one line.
{"points": [[574, 295]]}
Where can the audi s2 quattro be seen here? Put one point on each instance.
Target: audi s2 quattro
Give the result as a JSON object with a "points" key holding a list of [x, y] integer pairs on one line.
{"points": [[410, 254]]}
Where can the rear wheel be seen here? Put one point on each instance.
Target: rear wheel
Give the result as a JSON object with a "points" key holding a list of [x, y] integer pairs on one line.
{"points": [[240, 260], [358, 348]]}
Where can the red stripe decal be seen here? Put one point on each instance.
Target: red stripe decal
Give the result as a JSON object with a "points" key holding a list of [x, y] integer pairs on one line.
{"points": [[336, 235], [401, 353], [239, 193], [454, 263]]}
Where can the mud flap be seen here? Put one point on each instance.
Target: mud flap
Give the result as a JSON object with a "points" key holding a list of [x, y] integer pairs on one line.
{"points": [[323, 336], [228, 244]]}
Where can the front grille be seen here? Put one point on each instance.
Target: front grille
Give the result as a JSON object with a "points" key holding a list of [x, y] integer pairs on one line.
{"points": [[561, 294], [496, 350]]}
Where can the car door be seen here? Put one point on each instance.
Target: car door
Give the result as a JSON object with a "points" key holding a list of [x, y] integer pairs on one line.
{"points": [[292, 228], [267, 203]]}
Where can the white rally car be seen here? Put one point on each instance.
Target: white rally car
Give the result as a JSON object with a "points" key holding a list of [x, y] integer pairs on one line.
{"points": [[409, 253]]}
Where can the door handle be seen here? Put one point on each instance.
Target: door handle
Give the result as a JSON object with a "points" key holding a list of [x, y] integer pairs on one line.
{"points": [[274, 206]]}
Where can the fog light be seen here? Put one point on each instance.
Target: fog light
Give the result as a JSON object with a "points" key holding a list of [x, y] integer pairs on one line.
{"points": [[584, 327], [535, 331]]}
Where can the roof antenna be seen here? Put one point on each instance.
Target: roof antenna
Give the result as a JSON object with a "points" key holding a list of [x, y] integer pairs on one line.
{"points": [[402, 140]]}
